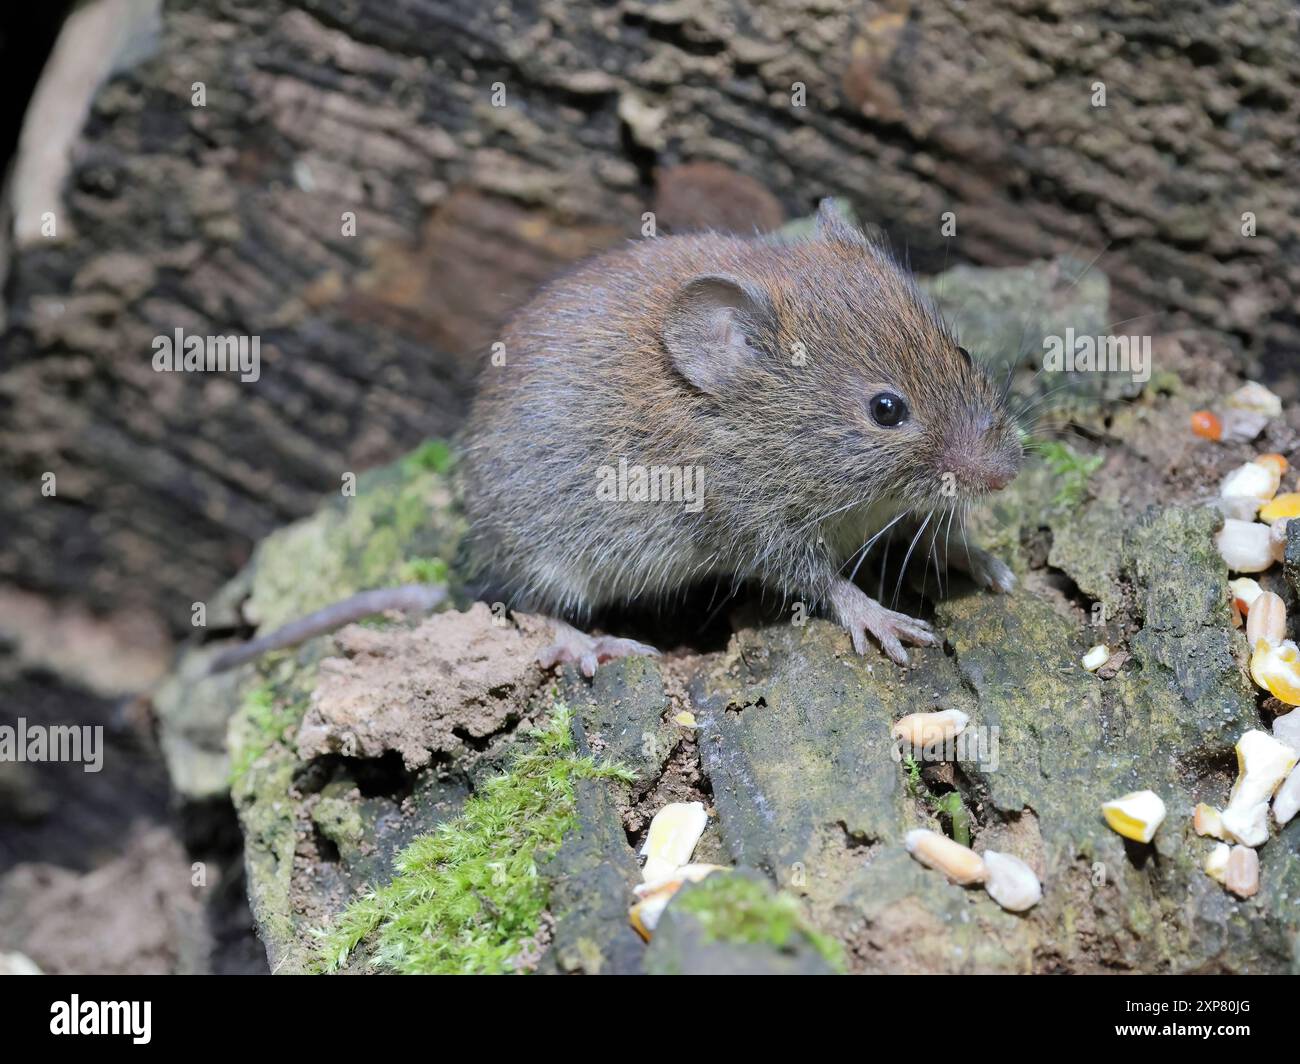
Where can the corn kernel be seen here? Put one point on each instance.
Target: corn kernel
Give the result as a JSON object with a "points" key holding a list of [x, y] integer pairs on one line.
{"points": [[1262, 764], [1207, 425], [1253, 480], [1207, 821], [671, 840], [1276, 461], [1242, 874], [1096, 657], [1247, 824], [959, 863], [1216, 864], [1267, 620], [654, 897], [1255, 397], [1245, 546], [925, 729], [1011, 883], [1277, 670], [1135, 816], [1286, 803], [1244, 592]]}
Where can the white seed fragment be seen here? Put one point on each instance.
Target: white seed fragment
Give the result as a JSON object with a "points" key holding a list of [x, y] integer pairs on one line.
{"points": [[1096, 657], [1267, 620], [1242, 874], [1244, 592], [1286, 803], [1255, 397], [1247, 824], [1243, 425], [1011, 883], [1286, 729], [671, 840], [925, 729], [1252, 481], [1208, 821], [1262, 764], [1136, 816], [959, 863], [1239, 507], [1245, 546], [1216, 865], [654, 897]]}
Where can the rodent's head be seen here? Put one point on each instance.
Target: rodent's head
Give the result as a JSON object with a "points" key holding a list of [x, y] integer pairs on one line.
{"points": [[828, 346]]}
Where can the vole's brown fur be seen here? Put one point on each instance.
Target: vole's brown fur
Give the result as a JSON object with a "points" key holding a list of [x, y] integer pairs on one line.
{"points": [[754, 360]]}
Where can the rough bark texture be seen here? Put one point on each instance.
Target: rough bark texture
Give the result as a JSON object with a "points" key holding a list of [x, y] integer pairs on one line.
{"points": [[227, 218]]}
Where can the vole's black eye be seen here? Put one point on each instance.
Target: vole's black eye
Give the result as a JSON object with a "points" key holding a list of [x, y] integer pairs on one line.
{"points": [[888, 410], [964, 354]]}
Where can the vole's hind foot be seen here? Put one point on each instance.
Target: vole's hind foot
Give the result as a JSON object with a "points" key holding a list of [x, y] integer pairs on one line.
{"points": [[985, 569], [588, 651], [860, 613]]}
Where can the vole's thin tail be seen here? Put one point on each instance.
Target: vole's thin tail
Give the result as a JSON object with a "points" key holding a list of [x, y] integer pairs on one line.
{"points": [[409, 598]]}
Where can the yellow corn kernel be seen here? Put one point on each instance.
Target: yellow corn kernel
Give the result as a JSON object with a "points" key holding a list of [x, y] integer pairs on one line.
{"points": [[1287, 505], [1277, 670], [1136, 816], [671, 840]]}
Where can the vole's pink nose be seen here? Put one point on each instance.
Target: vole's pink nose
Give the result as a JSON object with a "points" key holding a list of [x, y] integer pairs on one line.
{"points": [[980, 473], [998, 477]]}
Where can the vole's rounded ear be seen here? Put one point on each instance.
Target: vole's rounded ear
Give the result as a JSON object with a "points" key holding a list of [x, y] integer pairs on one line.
{"points": [[712, 327], [833, 223]]}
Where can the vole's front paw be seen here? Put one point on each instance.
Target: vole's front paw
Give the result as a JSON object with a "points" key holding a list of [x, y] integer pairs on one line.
{"points": [[991, 572], [860, 614], [588, 651]]}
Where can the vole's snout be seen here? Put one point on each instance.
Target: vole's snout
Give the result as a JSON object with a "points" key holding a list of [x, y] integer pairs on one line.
{"points": [[982, 458], [999, 476]]}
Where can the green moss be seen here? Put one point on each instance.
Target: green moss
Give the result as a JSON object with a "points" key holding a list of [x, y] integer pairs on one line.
{"points": [[401, 526], [737, 909], [339, 821], [263, 720], [467, 898], [433, 456], [425, 571], [1071, 471], [263, 762], [912, 769]]}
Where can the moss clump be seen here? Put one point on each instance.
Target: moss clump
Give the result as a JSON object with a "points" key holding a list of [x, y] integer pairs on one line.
{"points": [[425, 571], [263, 720], [1071, 471], [739, 910], [467, 898], [401, 526], [433, 456]]}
